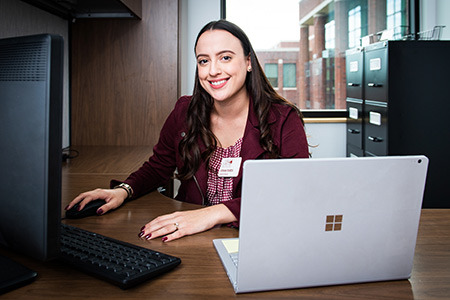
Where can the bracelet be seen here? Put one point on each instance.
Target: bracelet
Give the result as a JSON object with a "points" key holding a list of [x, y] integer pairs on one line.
{"points": [[127, 188]]}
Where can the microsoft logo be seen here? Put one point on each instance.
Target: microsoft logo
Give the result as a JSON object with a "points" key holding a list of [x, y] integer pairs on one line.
{"points": [[333, 223]]}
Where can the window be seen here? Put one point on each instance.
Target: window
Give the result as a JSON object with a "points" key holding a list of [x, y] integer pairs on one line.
{"points": [[396, 17], [354, 27], [271, 71], [308, 39], [330, 31], [289, 75]]}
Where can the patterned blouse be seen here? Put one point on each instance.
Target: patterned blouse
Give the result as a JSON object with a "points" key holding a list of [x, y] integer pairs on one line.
{"points": [[220, 189]]}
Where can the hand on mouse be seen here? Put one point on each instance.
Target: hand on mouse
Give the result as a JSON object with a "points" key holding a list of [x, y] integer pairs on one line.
{"points": [[113, 198]]}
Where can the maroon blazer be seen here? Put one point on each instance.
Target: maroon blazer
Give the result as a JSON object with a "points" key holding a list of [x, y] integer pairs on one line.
{"points": [[287, 133]]}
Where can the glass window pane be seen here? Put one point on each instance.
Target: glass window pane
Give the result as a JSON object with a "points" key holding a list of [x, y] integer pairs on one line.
{"points": [[289, 75], [358, 33], [329, 35], [398, 5], [390, 22], [351, 41], [398, 19], [271, 71], [390, 7]]}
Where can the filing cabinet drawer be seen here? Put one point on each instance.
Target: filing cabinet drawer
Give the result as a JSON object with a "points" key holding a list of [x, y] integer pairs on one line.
{"points": [[355, 122], [376, 128], [375, 75], [354, 72], [353, 151]]}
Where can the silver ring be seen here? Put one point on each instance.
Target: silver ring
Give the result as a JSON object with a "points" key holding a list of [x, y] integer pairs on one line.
{"points": [[176, 226]]}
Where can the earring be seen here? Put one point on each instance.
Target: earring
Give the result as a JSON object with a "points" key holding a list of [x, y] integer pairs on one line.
{"points": [[249, 69]]}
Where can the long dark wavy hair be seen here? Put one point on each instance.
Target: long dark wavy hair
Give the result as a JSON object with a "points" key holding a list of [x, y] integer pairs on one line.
{"points": [[198, 117]]}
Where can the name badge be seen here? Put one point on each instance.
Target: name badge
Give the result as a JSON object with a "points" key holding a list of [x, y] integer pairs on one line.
{"points": [[229, 167]]}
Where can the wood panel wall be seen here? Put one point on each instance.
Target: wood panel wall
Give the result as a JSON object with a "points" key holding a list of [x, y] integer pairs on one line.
{"points": [[124, 76], [18, 18]]}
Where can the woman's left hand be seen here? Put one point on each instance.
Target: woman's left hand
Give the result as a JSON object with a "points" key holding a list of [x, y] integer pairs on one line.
{"points": [[181, 223]]}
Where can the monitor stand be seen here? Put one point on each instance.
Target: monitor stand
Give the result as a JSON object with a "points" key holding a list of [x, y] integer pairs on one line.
{"points": [[13, 275]]}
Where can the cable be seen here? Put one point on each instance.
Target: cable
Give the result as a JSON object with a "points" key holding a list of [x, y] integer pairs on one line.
{"points": [[68, 153]]}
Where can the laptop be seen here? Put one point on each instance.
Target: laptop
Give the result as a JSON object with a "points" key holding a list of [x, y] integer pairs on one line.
{"points": [[318, 222]]}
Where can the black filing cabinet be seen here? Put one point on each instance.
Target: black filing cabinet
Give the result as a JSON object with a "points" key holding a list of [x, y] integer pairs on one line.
{"points": [[355, 127], [404, 107], [355, 92]]}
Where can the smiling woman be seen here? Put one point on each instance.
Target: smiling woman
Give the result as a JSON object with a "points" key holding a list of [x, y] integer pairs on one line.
{"points": [[233, 115], [222, 71], [222, 66]]}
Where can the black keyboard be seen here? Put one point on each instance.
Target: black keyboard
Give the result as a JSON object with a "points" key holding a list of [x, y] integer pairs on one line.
{"points": [[117, 262]]}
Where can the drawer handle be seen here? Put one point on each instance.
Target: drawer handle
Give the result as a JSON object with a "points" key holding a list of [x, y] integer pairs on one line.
{"points": [[371, 84], [375, 139], [353, 131], [353, 84]]}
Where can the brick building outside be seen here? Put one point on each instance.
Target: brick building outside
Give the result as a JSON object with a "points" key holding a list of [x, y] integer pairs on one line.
{"points": [[284, 60], [320, 80]]}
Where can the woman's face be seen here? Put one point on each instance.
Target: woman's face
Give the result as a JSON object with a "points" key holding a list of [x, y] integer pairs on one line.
{"points": [[222, 66]]}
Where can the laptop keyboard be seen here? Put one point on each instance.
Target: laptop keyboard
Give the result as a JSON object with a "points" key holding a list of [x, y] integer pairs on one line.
{"points": [[120, 263]]}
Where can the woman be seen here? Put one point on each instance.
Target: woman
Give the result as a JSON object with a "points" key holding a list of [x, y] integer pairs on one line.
{"points": [[233, 112]]}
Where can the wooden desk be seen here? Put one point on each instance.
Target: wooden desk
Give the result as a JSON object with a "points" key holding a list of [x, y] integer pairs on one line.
{"points": [[201, 274]]}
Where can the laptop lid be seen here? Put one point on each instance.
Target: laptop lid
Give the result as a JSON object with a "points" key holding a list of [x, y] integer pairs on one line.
{"points": [[314, 222]]}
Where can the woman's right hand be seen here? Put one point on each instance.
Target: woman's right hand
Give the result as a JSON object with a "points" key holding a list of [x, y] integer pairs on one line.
{"points": [[113, 198]]}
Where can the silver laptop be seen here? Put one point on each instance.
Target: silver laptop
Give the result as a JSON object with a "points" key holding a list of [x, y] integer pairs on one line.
{"points": [[315, 222]]}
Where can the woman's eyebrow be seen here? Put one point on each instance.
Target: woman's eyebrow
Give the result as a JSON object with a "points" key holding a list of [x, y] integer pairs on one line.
{"points": [[219, 53], [225, 51]]}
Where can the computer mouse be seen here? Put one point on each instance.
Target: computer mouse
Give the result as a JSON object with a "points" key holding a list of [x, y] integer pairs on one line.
{"points": [[89, 209]]}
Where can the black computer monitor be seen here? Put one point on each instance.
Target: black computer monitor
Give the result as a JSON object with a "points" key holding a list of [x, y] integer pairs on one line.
{"points": [[31, 89]]}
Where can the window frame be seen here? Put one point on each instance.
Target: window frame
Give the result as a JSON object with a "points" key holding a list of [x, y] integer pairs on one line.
{"points": [[397, 26]]}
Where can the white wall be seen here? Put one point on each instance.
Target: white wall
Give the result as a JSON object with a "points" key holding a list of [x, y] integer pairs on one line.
{"points": [[443, 17], [194, 15], [326, 139], [435, 12]]}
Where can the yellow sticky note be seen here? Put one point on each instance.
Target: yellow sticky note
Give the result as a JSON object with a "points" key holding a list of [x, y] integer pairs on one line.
{"points": [[232, 245]]}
